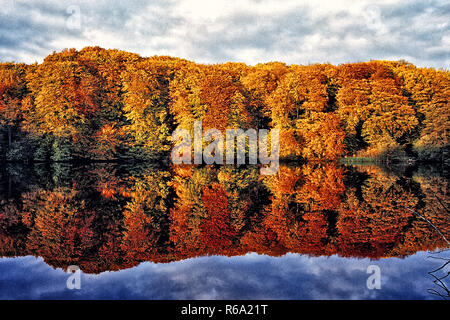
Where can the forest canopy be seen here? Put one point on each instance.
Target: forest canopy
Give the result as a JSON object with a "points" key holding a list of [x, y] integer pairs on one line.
{"points": [[100, 104]]}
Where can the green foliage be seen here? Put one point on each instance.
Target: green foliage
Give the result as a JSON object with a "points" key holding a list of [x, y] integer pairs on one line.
{"points": [[61, 150]]}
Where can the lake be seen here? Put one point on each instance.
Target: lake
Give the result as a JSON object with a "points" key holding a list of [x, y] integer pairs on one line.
{"points": [[147, 231]]}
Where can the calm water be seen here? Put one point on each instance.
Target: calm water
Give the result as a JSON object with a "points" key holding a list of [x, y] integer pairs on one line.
{"points": [[152, 232]]}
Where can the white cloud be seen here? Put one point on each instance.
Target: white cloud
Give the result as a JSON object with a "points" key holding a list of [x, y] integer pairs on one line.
{"points": [[250, 31]]}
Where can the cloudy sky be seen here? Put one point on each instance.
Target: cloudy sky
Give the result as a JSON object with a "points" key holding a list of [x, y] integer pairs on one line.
{"points": [[250, 31]]}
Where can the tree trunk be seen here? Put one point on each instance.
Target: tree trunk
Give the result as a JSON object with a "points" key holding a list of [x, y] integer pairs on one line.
{"points": [[9, 186], [9, 137]]}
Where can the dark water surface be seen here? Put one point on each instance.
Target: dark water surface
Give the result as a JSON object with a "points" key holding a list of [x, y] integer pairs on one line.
{"points": [[150, 232]]}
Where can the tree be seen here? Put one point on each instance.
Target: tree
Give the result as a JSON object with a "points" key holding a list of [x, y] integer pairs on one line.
{"points": [[433, 142], [13, 91], [146, 107], [390, 117]]}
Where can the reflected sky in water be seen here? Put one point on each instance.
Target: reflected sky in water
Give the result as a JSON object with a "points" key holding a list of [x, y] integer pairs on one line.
{"points": [[252, 276]]}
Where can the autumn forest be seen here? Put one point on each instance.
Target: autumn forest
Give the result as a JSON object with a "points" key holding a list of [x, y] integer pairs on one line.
{"points": [[84, 136], [98, 104]]}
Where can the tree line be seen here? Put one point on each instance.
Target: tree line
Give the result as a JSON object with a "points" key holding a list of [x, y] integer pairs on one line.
{"points": [[99, 104]]}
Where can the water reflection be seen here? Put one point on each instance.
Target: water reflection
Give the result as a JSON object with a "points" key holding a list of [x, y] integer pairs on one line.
{"points": [[106, 217]]}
